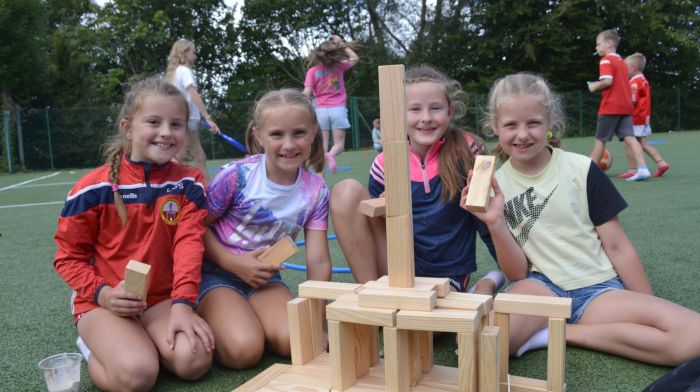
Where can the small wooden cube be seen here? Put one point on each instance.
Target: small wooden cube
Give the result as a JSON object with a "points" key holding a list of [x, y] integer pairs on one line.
{"points": [[136, 278], [279, 252]]}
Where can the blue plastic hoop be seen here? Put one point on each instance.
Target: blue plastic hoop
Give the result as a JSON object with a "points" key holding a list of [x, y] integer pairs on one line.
{"points": [[297, 267]]}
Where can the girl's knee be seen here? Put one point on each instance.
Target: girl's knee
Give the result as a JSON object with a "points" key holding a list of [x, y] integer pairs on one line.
{"points": [[134, 375], [240, 352], [346, 195], [192, 366]]}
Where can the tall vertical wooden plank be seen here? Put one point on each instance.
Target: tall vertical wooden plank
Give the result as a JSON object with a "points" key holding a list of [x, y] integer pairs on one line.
{"points": [[396, 361], [399, 251], [397, 179], [501, 321], [317, 340], [426, 340], [392, 103], [489, 366], [467, 360], [300, 338], [342, 353], [556, 354]]}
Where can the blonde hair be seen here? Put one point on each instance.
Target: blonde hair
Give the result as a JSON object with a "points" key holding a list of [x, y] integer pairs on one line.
{"points": [[177, 57], [526, 84], [277, 98], [610, 35], [118, 144], [638, 60], [455, 157], [329, 53]]}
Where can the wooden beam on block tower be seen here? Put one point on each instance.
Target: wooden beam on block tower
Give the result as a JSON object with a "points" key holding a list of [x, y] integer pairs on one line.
{"points": [[397, 179], [399, 251], [136, 278], [480, 185], [392, 103]]}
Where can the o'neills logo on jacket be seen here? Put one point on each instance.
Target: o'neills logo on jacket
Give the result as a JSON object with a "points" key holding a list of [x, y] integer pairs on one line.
{"points": [[170, 211]]}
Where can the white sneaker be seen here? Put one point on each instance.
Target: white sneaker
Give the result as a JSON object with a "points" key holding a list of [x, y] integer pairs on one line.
{"points": [[83, 348], [640, 175]]}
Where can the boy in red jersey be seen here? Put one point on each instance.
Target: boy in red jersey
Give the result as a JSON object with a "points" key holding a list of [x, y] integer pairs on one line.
{"points": [[641, 118], [615, 111]]}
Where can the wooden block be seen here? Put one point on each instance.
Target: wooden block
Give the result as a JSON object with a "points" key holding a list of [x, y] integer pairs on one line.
{"points": [[326, 290], [466, 301], [258, 382], [347, 309], [301, 378], [317, 323], [400, 259], [439, 320], [136, 278], [556, 355], [441, 285], [415, 358], [501, 321], [480, 185], [397, 179], [396, 359], [396, 298], [373, 207], [489, 352], [300, 337], [279, 252], [363, 348], [523, 384], [392, 102], [426, 341], [340, 337], [533, 305], [440, 378], [467, 360]]}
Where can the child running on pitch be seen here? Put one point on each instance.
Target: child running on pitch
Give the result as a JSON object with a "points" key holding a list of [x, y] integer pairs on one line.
{"points": [[440, 155], [325, 81], [140, 206], [615, 111], [252, 204], [641, 117], [554, 224], [183, 54]]}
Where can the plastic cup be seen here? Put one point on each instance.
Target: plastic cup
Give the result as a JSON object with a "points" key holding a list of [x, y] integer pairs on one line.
{"points": [[62, 372]]}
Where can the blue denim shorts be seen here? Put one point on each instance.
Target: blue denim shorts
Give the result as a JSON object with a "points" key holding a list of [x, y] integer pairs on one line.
{"points": [[333, 118], [214, 277], [580, 298]]}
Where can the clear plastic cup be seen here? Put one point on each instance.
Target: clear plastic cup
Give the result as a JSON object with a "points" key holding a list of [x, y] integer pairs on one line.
{"points": [[62, 372]]}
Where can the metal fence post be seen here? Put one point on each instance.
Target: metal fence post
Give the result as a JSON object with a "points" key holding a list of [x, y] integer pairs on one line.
{"points": [[8, 147], [580, 112], [678, 106], [48, 133], [20, 139], [213, 149], [355, 124]]}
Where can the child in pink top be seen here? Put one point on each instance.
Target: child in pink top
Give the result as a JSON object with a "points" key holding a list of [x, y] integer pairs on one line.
{"points": [[324, 80]]}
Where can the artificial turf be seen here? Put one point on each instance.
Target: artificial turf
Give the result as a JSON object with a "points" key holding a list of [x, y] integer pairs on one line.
{"points": [[662, 222]]}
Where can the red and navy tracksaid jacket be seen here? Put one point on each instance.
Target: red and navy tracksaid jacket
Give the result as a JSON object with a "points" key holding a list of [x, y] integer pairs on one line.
{"points": [[166, 209]]}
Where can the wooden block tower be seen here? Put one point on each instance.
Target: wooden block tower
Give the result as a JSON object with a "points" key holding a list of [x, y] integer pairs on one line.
{"points": [[408, 308]]}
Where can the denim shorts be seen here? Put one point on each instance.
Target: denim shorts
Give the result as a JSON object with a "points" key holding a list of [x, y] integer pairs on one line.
{"points": [[214, 277], [580, 298], [333, 118]]}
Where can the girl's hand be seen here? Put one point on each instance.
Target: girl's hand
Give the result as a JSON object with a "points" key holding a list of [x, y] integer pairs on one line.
{"points": [[213, 128], [184, 319], [494, 211], [253, 271], [120, 302]]}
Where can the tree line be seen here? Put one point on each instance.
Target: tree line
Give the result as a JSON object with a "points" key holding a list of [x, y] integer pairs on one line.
{"points": [[77, 54]]}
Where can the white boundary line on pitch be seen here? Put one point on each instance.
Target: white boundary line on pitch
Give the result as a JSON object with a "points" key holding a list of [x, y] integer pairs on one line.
{"points": [[32, 204], [28, 181], [48, 184]]}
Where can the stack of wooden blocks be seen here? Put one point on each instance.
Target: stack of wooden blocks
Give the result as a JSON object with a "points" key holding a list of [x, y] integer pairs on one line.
{"points": [[408, 308]]}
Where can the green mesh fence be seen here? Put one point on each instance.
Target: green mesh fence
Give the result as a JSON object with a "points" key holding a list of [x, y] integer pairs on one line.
{"points": [[48, 138]]}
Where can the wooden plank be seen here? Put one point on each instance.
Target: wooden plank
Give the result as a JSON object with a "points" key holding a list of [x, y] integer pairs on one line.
{"points": [[467, 360], [373, 207], [441, 285], [440, 378], [466, 301], [317, 321], [415, 358], [136, 278], [426, 341], [342, 353], [439, 320], [258, 382], [279, 252], [489, 352], [556, 355], [397, 298], [300, 338], [532, 305], [326, 290], [397, 179], [362, 345], [348, 309], [396, 359], [501, 321], [480, 185], [399, 251], [523, 384], [392, 102], [301, 378]]}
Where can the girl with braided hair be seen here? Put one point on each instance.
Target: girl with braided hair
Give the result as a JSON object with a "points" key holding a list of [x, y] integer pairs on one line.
{"points": [[139, 205]]}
